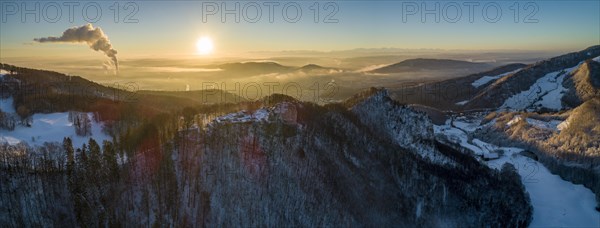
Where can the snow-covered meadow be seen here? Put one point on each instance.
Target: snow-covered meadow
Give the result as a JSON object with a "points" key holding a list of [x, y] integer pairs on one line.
{"points": [[52, 127]]}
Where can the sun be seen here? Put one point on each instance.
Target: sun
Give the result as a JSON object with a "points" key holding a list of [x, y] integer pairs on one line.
{"points": [[204, 46]]}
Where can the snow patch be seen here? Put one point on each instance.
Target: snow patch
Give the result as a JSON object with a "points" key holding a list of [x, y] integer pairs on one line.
{"points": [[563, 125], [462, 102], [550, 125], [514, 120], [486, 79]]}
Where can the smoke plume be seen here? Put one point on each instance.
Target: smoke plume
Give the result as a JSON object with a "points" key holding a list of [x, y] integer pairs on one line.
{"points": [[94, 37]]}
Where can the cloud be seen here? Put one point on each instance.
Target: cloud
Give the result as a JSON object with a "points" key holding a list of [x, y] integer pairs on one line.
{"points": [[93, 37]]}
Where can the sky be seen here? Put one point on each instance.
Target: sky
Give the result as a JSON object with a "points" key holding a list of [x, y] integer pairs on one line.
{"points": [[172, 28]]}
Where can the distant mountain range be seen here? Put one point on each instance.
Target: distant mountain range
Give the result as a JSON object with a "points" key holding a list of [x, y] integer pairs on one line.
{"points": [[257, 68], [406, 66]]}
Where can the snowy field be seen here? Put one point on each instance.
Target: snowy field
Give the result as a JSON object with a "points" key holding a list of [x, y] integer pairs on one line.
{"points": [[51, 127], [556, 202]]}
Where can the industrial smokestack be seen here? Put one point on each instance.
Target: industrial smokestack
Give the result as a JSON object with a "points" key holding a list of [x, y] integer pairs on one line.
{"points": [[94, 37]]}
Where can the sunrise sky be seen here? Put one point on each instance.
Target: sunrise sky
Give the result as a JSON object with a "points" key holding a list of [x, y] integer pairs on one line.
{"points": [[174, 28]]}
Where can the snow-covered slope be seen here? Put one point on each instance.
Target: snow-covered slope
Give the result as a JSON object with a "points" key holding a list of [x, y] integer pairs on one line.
{"points": [[534, 86], [401, 124], [545, 92]]}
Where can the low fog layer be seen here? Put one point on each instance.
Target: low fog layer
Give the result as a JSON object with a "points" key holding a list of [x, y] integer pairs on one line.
{"points": [[314, 72]]}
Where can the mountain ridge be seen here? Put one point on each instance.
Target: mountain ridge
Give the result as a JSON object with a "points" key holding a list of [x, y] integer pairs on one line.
{"points": [[421, 64], [509, 85]]}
